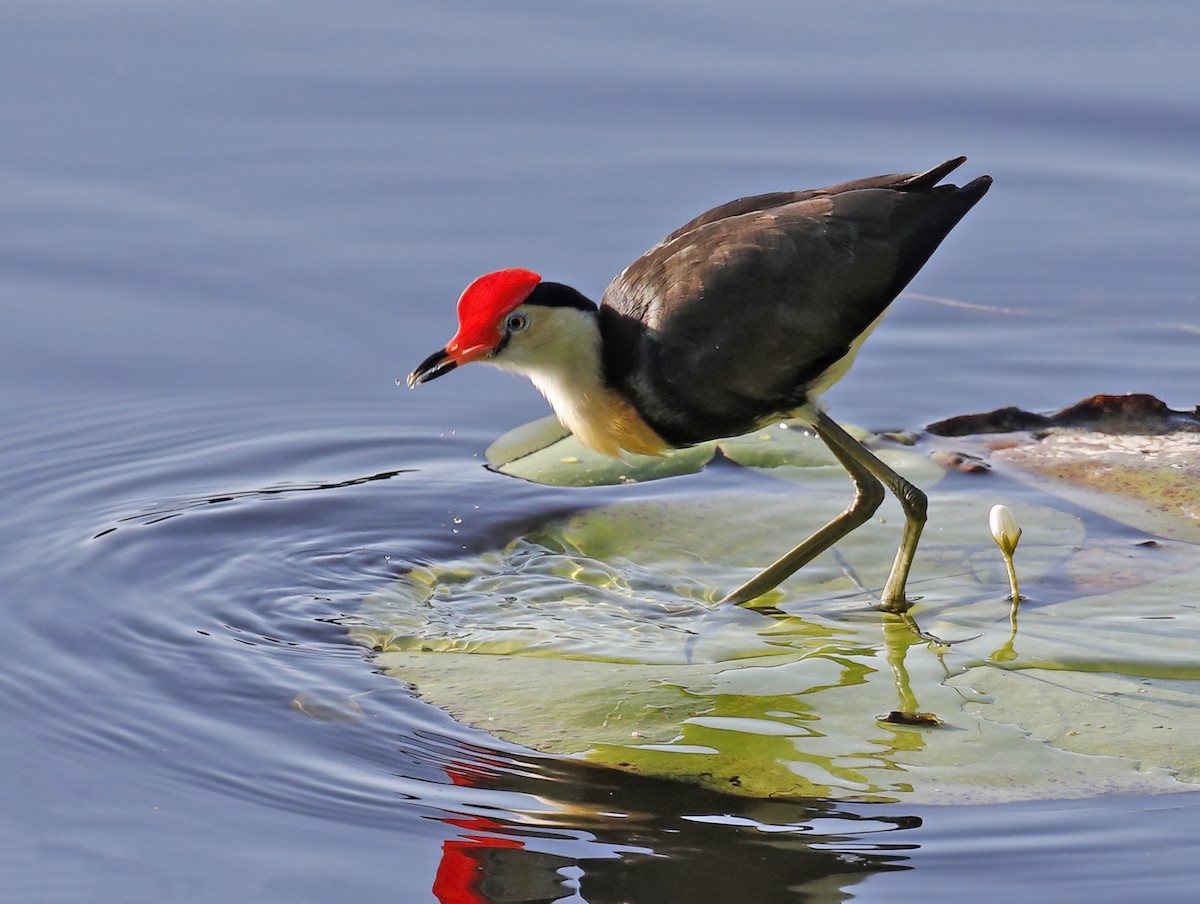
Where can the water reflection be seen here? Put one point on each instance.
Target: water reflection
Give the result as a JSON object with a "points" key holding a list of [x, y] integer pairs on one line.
{"points": [[604, 836]]}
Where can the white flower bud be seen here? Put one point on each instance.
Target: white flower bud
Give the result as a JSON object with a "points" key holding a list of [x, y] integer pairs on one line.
{"points": [[1004, 529], [1006, 534]]}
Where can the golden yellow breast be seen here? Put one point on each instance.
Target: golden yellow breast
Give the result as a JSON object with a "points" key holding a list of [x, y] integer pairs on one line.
{"points": [[634, 434], [610, 425]]}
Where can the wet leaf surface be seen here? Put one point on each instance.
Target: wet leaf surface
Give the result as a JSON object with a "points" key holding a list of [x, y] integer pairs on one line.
{"points": [[597, 636]]}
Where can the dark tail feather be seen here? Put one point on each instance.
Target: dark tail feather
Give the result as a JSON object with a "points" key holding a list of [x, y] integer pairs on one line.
{"points": [[975, 189], [930, 178]]}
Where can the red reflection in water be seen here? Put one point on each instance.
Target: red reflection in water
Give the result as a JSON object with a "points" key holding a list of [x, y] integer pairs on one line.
{"points": [[465, 860]]}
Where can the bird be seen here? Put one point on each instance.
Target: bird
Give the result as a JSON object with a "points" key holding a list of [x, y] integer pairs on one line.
{"points": [[738, 319]]}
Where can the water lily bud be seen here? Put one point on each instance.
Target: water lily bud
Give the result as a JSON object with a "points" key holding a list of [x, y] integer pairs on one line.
{"points": [[1006, 534], [1004, 529]]}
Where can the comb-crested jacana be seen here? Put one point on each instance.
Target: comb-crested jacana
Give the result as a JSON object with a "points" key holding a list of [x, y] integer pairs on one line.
{"points": [[739, 318]]}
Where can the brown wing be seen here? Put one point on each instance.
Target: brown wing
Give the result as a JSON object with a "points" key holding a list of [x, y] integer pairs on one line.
{"points": [[896, 182], [729, 323]]}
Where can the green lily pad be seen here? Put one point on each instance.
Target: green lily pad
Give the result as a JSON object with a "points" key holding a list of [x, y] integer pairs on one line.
{"points": [[598, 636], [544, 451], [525, 440]]}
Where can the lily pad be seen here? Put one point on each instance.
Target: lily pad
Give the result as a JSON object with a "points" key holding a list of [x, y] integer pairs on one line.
{"points": [[543, 451], [569, 463], [597, 636]]}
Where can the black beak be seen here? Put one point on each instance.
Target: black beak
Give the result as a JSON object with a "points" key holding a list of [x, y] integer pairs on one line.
{"points": [[431, 368]]}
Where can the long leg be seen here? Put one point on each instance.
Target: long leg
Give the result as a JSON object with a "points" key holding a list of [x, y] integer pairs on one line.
{"points": [[867, 472], [912, 501], [868, 494]]}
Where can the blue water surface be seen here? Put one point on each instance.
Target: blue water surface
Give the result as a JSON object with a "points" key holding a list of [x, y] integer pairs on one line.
{"points": [[226, 228]]}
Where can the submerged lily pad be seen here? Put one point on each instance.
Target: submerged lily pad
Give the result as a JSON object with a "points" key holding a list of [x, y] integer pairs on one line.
{"points": [[598, 636]]}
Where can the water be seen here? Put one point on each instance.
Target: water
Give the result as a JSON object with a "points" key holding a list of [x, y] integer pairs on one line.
{"points": [[228, 227]]}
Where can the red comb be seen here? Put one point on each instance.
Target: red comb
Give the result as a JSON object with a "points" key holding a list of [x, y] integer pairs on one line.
{"points": [[486, 302], [494, 295]]}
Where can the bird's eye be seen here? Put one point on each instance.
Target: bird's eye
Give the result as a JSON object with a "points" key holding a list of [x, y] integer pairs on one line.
{"points": [[516, 322]]}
